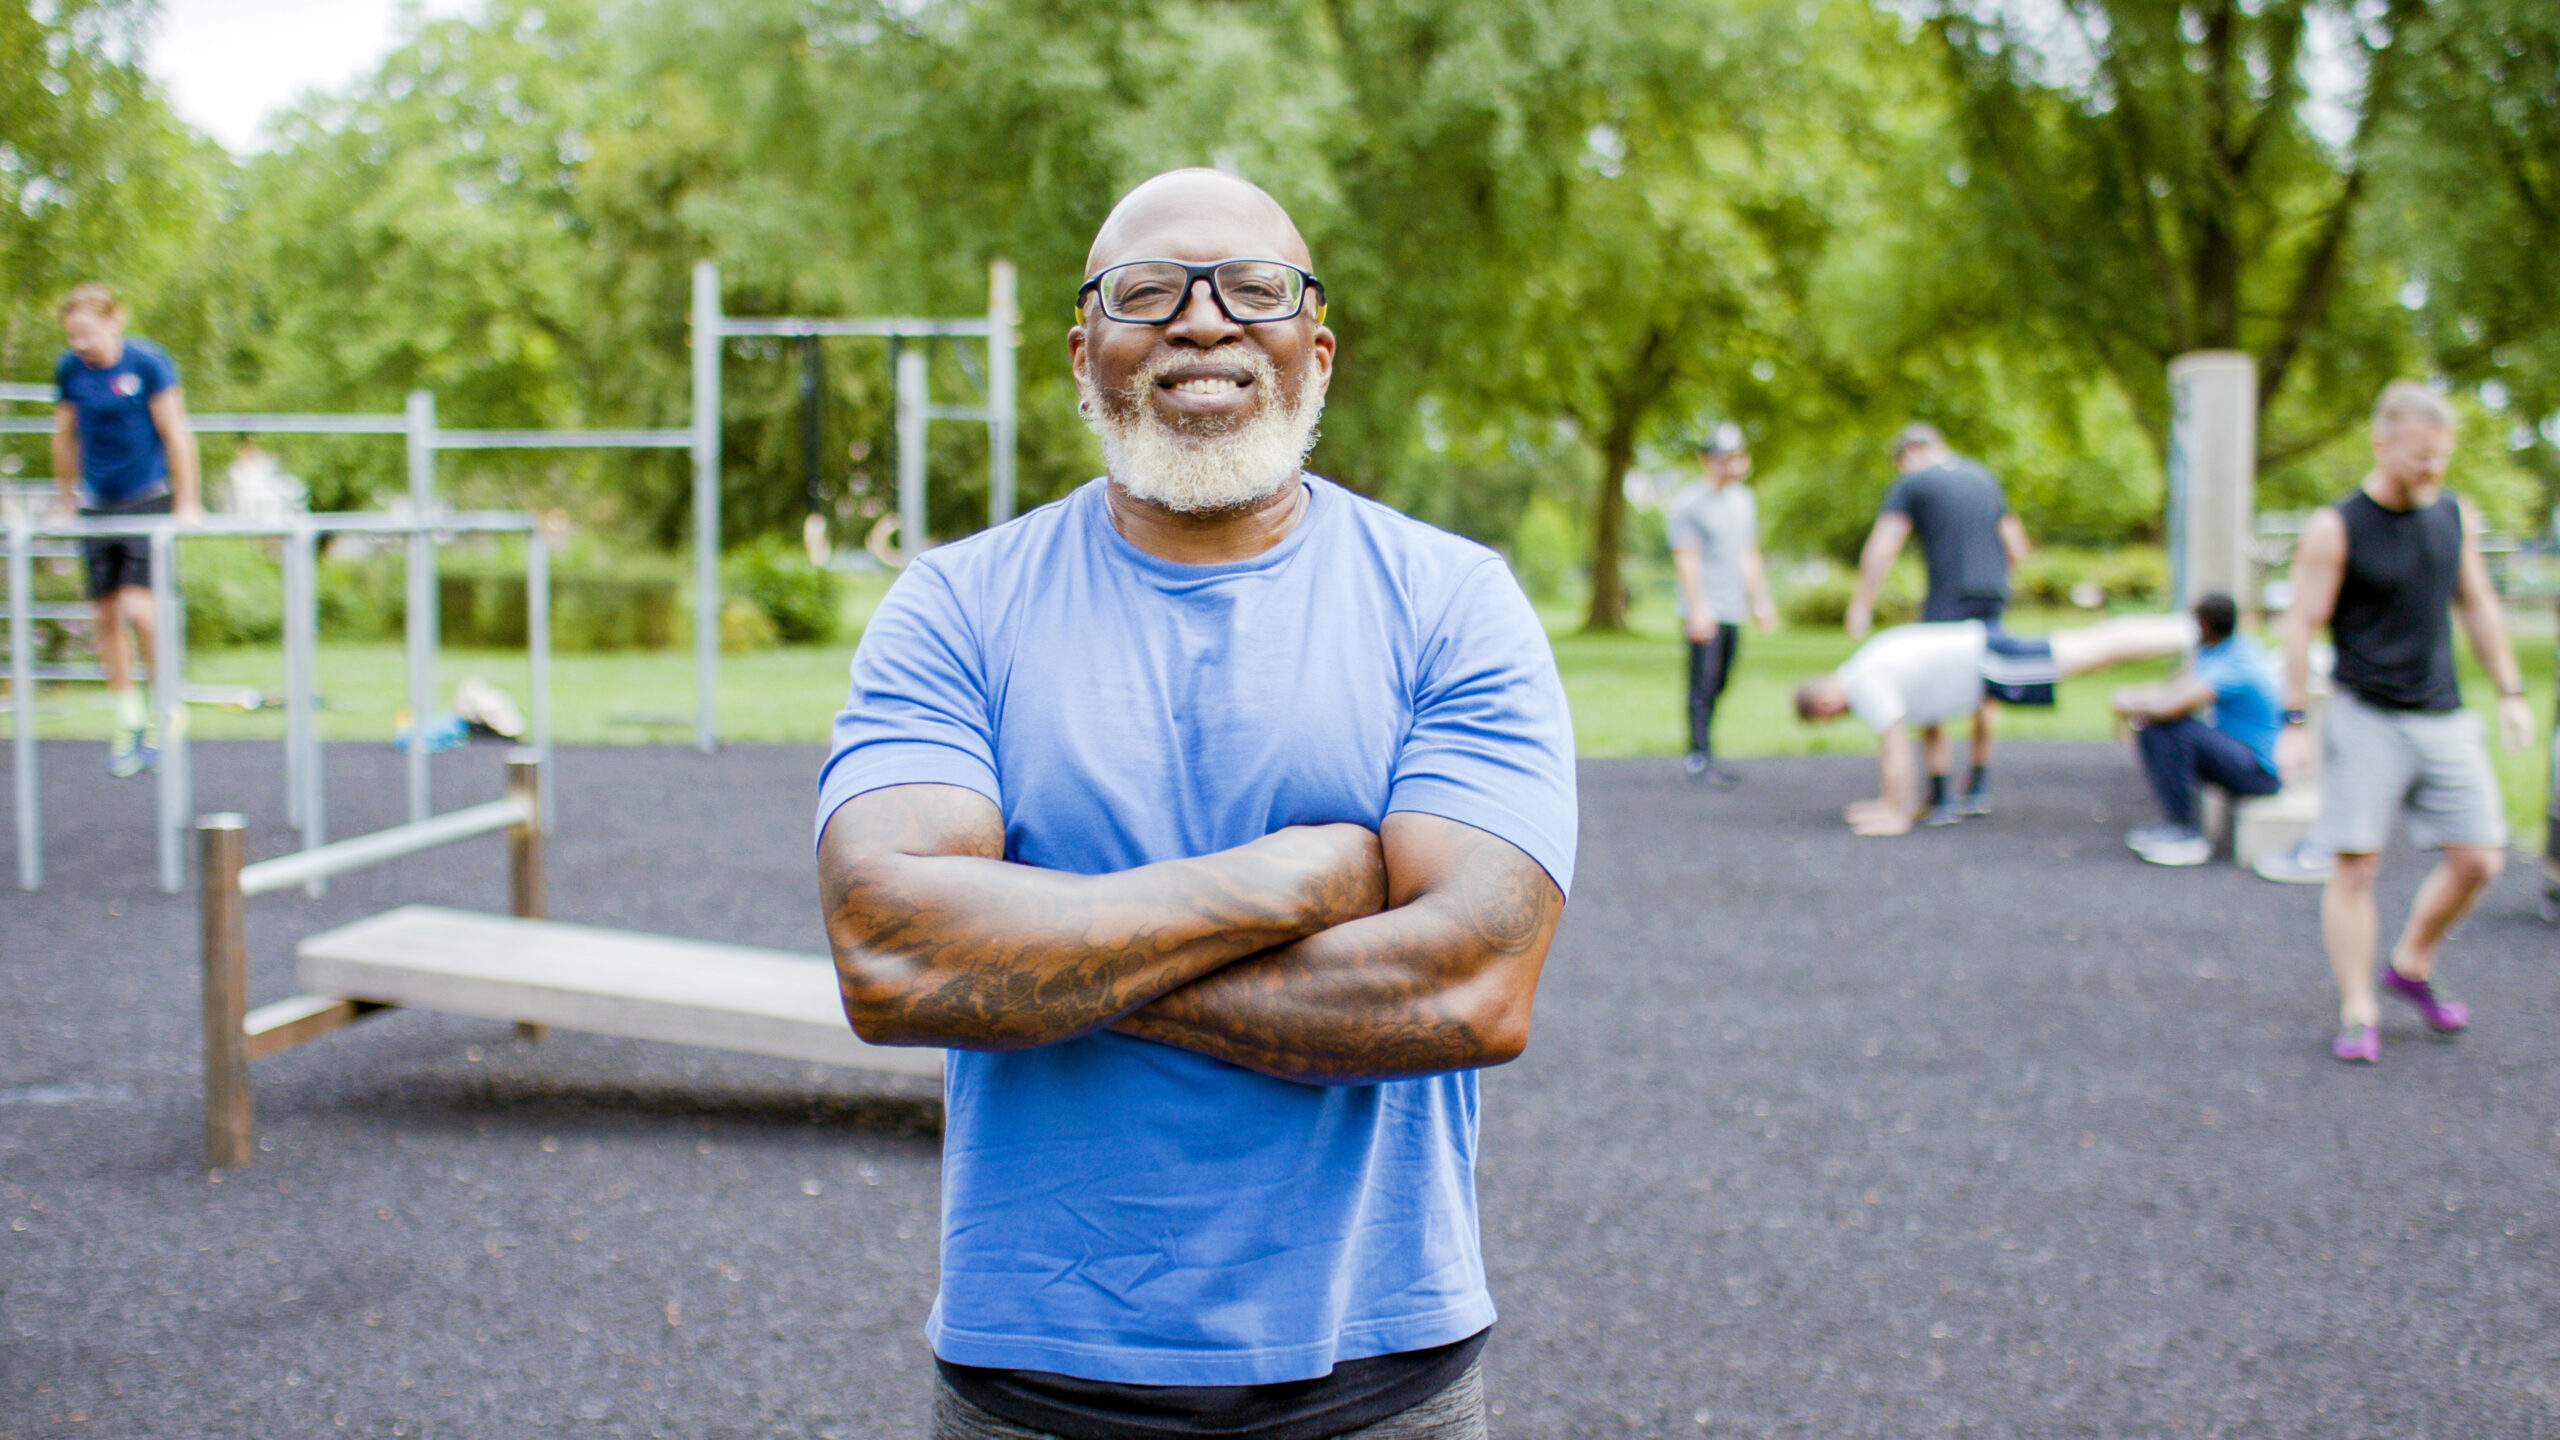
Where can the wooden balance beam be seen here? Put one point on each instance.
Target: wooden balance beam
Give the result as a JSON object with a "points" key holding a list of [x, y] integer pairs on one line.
{"points": [[521, 967]]}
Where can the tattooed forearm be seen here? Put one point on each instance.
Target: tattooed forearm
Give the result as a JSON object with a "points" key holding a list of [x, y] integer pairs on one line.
{"points": [[938, 941], [1443, 981]]}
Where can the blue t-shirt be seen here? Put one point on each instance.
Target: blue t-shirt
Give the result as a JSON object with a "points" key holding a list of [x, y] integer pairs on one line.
{"points": [[1126, 1211], [2246, 704], [121, 457]]}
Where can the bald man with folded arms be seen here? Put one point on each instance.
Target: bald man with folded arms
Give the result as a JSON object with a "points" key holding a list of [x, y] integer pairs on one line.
{"points": [[1215, 820]]}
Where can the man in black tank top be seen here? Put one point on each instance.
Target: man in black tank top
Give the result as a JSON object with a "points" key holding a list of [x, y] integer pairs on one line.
{"points": [[2386, 569]]}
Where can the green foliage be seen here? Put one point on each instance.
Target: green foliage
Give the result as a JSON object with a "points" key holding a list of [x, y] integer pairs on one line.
{"points": [[804, 602], [233, 592], [1818, 597], [2132, 576]]}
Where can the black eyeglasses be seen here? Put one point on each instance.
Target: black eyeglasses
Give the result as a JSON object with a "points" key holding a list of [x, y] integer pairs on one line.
{"points": [[1248, 292]]}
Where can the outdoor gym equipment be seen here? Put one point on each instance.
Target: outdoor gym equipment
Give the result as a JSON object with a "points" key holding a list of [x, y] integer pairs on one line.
{"points": [[304, 801], [521, 967], [712, 330], [915, 413]]}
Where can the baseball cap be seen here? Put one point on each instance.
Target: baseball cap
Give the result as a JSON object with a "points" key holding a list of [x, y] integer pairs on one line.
{"points": [[1918, 432], [1722, 438]]}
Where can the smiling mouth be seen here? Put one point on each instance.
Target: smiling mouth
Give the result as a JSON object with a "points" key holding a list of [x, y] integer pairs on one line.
{"points": [[1207, 384]]}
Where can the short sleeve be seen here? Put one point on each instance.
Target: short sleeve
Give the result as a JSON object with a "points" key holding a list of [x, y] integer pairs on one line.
{"points": [[62, 378], [1897, 501], [1492, 741], [918, 713], [1680, 519], [158, 371], [1874, 700]]}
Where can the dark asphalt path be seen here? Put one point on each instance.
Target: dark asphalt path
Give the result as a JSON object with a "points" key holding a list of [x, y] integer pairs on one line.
{"points": [[1987, 1132]]}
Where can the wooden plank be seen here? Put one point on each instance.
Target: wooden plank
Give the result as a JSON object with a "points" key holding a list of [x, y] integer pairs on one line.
{"points": [[274, 1029], [611, 982]]}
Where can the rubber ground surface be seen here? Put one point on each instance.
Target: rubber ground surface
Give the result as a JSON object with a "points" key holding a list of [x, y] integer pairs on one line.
{"points": [[1991, 1131]]}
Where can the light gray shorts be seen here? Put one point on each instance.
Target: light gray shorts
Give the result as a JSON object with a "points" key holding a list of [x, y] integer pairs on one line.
{"points": [[2433, 763]]}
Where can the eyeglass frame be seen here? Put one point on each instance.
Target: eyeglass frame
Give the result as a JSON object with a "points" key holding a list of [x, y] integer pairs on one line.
{"points": [[1192, 275]]}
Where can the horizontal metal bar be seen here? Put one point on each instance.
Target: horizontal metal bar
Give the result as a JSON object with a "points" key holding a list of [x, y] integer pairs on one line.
{"points": [[32, 394], [286, 871], [899, 329], [493, 521], [248, 425], [561, 439], [960, 412]]}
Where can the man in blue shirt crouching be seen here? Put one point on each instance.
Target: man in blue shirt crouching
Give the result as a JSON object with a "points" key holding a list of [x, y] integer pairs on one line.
{"points": [[1216, 820], [2236, 750]]}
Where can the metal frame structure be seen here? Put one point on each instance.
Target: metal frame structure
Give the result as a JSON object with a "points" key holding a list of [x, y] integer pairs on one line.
{"points": [[712, 329], [304, 797]]}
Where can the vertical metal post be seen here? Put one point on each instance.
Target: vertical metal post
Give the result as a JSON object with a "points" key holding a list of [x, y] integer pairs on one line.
{"points": [[421, 625], [537, 632], [297, 678], [912, 393], [169, 694], [529, 898], [1001, 428], [707, 341], [302, 690], [813, 381], [22, 704], [228, 1132]]}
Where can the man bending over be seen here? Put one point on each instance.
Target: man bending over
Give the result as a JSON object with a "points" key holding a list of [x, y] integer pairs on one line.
{"points": [[1916, 677]]}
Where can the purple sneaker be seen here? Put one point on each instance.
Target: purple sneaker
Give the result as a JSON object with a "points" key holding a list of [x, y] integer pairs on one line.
{"points": [[2445, 1017], [2360, 1044]]}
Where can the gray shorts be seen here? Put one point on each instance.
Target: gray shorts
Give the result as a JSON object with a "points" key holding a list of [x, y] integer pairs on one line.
{"points": [[1456, 1413], [2434, 763]]}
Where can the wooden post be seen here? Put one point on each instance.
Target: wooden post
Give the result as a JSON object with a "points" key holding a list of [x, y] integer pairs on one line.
{"points": [[528, 897], [228, 1132]]}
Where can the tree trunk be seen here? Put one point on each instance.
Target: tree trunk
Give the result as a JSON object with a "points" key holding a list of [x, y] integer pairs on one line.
{"points": [[1609, 527]]}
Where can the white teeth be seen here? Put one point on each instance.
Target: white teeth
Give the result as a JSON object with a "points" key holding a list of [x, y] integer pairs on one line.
{"points": [[1207, 385]]}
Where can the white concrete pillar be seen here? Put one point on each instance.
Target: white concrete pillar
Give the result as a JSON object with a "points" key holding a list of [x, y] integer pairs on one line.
{"points": [[2213, 474]]}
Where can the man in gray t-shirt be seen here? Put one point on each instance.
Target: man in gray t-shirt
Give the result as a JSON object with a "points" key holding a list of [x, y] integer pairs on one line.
{"points": [[1715, 552], [1969, 539]]}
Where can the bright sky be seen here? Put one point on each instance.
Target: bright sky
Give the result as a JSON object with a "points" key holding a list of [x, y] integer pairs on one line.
{"points": [[229, 64]]}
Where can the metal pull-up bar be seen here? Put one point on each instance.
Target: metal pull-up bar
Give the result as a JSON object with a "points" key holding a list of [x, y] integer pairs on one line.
{"points": [[712, 329]]}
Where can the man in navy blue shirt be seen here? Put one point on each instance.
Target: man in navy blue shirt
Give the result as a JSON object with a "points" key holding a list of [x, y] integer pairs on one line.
{"points": [[1970, 538], [1215, 820], [121, 447]]}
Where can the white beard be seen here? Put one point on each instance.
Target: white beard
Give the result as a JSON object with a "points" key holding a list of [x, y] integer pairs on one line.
{"points": [[1203, 471]]}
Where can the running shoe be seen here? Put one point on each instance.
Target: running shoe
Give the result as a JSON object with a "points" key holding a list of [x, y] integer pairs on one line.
{"points": [[1697, 763], [2186, 847], [2302, 864], [2445, 1017], [1942, 815], [1974, 803], [128, 756], [2358, 1045], [2142, 837]]}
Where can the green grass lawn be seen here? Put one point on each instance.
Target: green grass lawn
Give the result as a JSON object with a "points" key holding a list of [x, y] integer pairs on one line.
{"points": [[1626, 692]]}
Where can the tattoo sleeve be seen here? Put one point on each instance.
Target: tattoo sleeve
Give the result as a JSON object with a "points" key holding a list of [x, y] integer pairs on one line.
{"points": [[939, 941], [1442, 981]]}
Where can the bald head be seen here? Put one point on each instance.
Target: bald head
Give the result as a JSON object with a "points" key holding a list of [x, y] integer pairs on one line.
{"points": [[1208, 212]]}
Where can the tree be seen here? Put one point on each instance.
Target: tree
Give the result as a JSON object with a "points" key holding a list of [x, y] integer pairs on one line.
{"points": [[98, 181], [2157, 188]]}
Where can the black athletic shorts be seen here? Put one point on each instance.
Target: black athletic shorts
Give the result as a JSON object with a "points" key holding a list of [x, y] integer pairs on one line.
{"points": [[2017, 670], [116, 561]]}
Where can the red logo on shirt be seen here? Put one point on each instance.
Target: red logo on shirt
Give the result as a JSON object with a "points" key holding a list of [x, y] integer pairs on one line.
{"points": [[127, 385]]}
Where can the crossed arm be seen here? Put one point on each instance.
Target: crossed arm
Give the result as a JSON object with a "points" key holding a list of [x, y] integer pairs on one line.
{"points": [[1325, 954]]}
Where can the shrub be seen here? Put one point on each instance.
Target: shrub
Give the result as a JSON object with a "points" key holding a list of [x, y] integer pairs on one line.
{"points": [[745, 627], [804, 602], [362, 595], [1821, 601], [233, 592]]}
